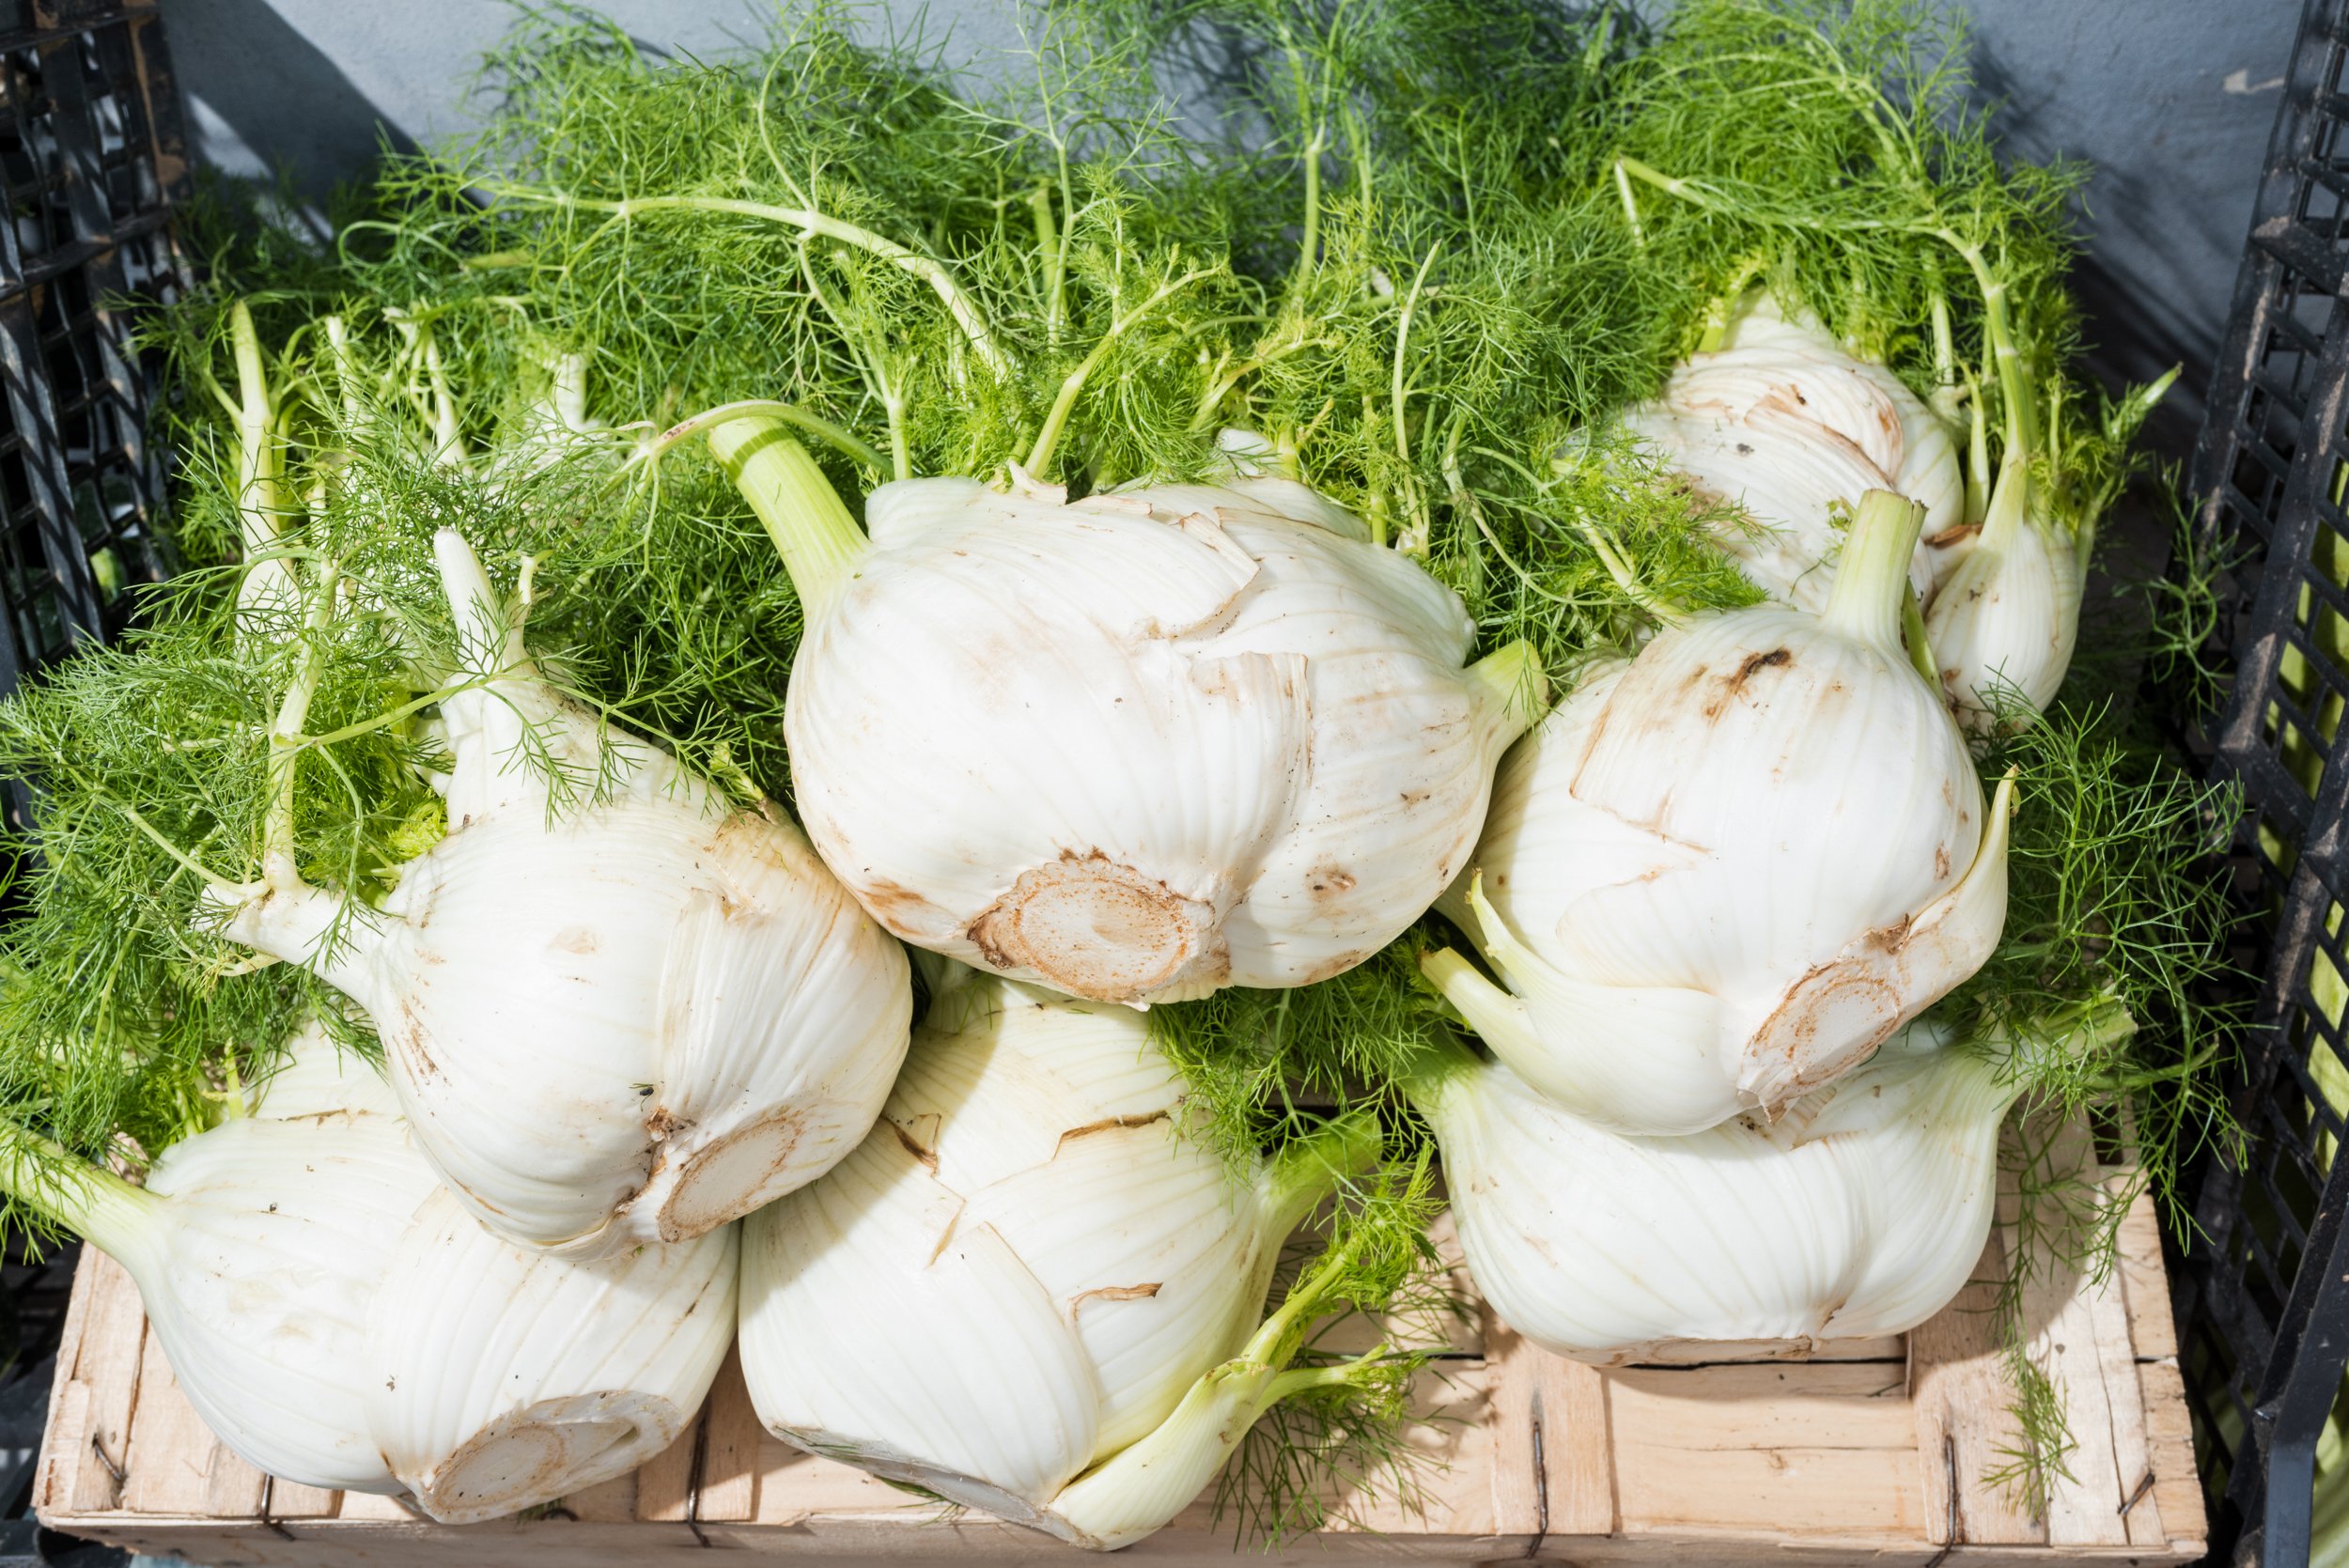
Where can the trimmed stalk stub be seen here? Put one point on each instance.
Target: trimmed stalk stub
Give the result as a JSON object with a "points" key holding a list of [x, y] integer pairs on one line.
{"points": [[1013, 1292], [1723, 872], [1095, 929], [633, 1019], [1200, 736]]}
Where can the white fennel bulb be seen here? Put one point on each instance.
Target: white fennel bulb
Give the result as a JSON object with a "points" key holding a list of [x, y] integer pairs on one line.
{"points": [[257, 1246], [500, 1378], [1859, 1212], [339, 1321], [633, 1019], [1783, 422], [1135, 747], [1027, 1275], [2004, 624], [1922, 460], [1723, 872]]}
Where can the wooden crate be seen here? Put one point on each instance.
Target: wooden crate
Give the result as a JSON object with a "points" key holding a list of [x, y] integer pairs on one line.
{"points": [[1874, 1452]]}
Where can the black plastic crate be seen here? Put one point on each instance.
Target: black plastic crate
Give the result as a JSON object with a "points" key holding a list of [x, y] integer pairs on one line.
{"points": [[2263, 1294], [92, 160]]}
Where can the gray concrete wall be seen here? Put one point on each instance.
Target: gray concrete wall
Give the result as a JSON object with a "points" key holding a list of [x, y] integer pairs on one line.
{"points": [[2172, 100]]}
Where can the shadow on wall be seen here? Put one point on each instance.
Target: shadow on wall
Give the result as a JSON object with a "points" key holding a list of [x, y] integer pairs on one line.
{"points": [[264, 98], [2171, 103]]}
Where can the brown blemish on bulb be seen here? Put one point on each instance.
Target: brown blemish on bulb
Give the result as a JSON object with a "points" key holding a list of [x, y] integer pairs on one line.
{"points": [[1735, 684], [1941, 862], [1113, 1292], [1329, 881], [577, 938], [887, 902], [1109, 1124], [406, 1039], [1756, 662], [927, 1158], [1332, 967]]}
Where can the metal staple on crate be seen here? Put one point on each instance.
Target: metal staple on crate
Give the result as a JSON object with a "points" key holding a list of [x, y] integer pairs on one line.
{"points": [[2263, 1297]]}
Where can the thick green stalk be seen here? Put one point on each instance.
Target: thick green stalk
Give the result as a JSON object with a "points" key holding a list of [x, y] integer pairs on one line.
{"points": [[1447, 1065], [1872, 578], [1977, 457], [2010, 507], [121, 1220], [279, 868], [257, 455], [2022, 408], [1511, 678], [1309, 244], [1920, 643], [1309, 1169], [819, 542], [268, 582], [1148, 1482]]}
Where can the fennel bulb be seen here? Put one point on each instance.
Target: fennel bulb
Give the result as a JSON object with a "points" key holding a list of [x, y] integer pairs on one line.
{"points": [[633, 1021], [1723, 872], [1860, 1211], [1136, 747], [339, 1321], [500, 1378], [1027, 1292], [2004, 623], [1782, 421]]}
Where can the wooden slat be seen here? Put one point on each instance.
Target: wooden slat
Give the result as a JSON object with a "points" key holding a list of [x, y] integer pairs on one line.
{"points": [[1958, 1388], [1578, 1446], [2169, 1441], [106, 1362], [64, 1429], [2062, 1323], [2145, 1282], [612, 1502], [1823, 1451], [365, 1508], [176, 1466], [1553, 1466], [664, 1487], [795, 1487], [288, 1500], [729, 1471], [1710, 1352], [2139, 1511]]}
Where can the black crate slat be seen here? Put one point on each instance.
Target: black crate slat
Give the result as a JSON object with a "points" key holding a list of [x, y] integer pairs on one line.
{"points": [[91, 164], [2263, 1295]]}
